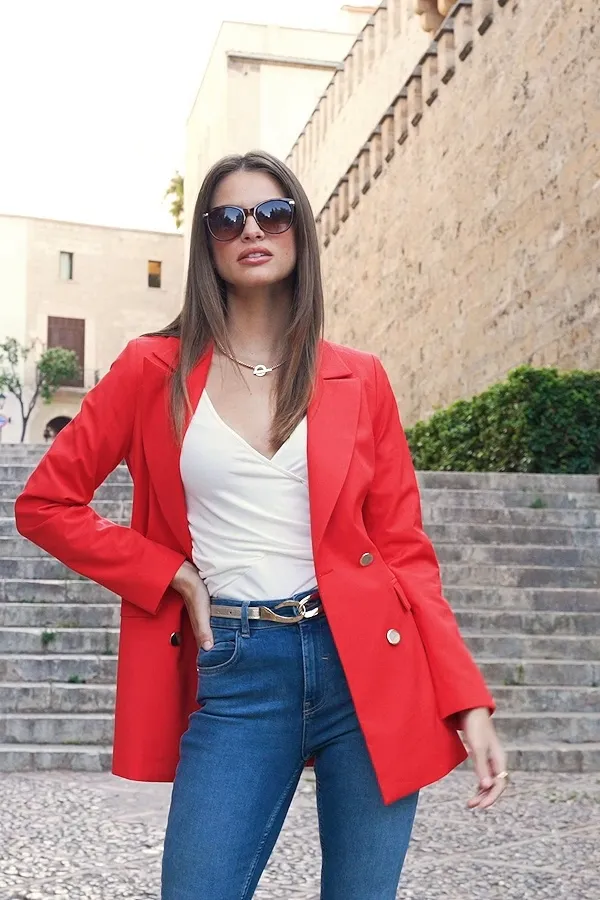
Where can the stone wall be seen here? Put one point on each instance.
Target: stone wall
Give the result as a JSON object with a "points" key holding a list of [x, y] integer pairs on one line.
{"points": [[464, 238], [358, 94]]}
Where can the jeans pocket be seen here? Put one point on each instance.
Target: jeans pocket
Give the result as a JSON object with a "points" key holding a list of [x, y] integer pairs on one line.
{"points": [[222, 655]]}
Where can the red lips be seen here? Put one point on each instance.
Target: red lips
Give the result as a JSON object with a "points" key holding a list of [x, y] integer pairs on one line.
{"points": [[249, 251]]}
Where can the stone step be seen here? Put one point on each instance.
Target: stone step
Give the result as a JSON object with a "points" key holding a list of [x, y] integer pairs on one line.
{"points": [[97, 727], [520, 576], [525, 646], [104, 641], [120, 511], [477, 596], [121, 490], [516, 555], [468, 533], [115, 510], [526, 517], [60, 728], [480, 573], [485, 621], [527, 757], [464, 551], [39, 697], [25, 457], [547, 756], [516, 481], [9, 490], [98, 641], [51, 615], [558, 698], [58, 617], [66, 667], [51, 757], [19, 471], [12, 547], [32, 568], [54, 697], [22, 448], [568, 728], [524, 599], [102, 670], [507, 498], [92, 669], [19, 558], [54, 591], [539, 672]]}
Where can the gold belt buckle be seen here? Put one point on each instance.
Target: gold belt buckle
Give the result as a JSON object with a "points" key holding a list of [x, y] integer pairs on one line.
{"points": [[303, 613], [307, 613]]}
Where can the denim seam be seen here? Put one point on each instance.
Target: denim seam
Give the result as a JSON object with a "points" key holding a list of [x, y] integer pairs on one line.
{"points": [[268, 829], [309, 713], [319, 808], [315, 709], [305, 715]]}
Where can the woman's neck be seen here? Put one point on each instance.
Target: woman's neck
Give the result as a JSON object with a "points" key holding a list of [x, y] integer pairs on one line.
{"points": [[257, 322]]}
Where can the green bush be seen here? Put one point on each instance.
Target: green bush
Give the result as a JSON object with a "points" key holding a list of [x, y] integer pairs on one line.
{"points": [[538, 420]]}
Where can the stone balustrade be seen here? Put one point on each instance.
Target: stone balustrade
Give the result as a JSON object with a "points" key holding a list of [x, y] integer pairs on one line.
{"points": [[451, 45], [389, 20]]}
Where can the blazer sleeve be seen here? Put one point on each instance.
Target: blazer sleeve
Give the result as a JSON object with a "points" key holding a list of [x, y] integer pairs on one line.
{"points": [[393, 519], [53, 511]]}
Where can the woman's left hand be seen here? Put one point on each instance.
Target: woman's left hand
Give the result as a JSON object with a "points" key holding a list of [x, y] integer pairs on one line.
{"points": [[487, 753]]}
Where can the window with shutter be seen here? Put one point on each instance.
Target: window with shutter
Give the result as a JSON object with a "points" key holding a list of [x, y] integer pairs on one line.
{"points": [[66, 265], [154, 273], [69, 334]]}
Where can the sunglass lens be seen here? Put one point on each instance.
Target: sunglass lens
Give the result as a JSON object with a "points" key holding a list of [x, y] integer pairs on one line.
{"points": [[275, 216], [226, 222]]}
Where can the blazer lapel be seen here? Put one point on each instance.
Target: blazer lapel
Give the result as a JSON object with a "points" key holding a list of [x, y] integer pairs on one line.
{"points": [[160, 447], [332, 423]]}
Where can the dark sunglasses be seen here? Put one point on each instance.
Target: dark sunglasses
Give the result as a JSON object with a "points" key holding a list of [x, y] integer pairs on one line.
{"points": [[226, 223]]}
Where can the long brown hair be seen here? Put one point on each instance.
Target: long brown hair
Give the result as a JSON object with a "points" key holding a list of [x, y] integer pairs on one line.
{"points": [[203, 317]]}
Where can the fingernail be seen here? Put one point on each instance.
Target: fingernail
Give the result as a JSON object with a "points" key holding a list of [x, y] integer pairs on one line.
{"points": [[207, 645]]}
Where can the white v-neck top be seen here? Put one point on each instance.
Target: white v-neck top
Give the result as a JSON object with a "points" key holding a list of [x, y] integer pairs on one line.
{"points": [[248, 515]]}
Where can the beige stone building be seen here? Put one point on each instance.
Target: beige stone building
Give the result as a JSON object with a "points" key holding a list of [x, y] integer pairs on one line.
{"points": [[260, 86], [89, 288], [453, 165]]}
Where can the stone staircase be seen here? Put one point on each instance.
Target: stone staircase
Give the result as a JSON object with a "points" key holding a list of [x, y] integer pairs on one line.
{"points": [[520, 556]]}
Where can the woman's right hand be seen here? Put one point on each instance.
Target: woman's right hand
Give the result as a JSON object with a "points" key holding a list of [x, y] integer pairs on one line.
{"points": [[188, 583]]}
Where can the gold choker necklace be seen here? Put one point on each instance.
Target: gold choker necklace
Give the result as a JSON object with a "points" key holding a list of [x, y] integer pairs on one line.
{"points": [[260, 370]]}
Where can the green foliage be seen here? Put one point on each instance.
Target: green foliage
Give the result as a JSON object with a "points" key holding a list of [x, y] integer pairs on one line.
{"points": [[175, 190], [538, 420], [47, 638], [538, 503], [53, 367]]}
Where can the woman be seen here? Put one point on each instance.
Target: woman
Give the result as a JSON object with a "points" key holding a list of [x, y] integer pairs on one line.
{"points": [[276, 551]]}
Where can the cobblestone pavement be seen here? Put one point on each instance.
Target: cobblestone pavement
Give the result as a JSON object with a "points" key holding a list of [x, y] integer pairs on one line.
{"points": [[99, 837]]}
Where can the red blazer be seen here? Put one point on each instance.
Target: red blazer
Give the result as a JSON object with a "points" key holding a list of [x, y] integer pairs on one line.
{"points": [[363, 500]]}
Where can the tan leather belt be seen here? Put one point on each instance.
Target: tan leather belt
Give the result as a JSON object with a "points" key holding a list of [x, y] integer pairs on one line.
{"points": [[263, 612]]}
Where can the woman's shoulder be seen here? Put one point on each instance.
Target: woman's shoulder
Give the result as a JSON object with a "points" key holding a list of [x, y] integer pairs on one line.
{"points": [[359, 362], [149, 346], [154, 343]]}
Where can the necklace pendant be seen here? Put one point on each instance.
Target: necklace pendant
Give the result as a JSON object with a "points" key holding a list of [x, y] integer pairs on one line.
{"points": [[260, 370]]}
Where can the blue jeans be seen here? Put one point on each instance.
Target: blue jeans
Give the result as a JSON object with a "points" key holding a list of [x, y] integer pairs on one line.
{"points": [[272, 696]]}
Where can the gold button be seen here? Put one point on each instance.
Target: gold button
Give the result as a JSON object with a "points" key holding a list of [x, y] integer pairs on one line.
{"points": [[175, 639], [366, 559], [393, 636]]}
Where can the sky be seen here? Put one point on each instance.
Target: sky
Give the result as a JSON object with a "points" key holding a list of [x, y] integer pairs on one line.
{"points": [[94, 99]]}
